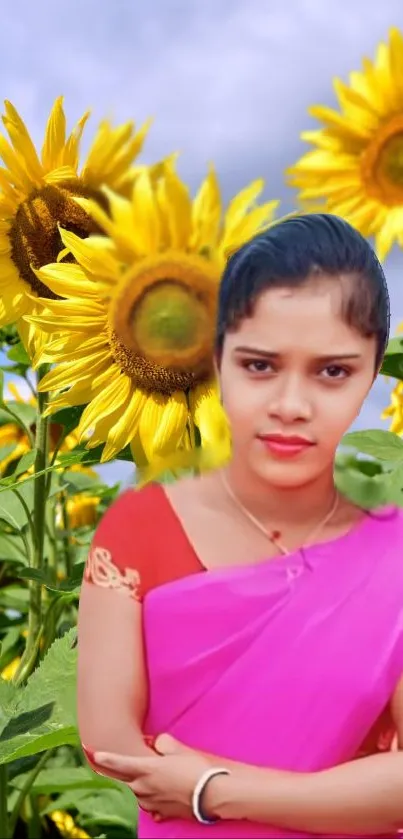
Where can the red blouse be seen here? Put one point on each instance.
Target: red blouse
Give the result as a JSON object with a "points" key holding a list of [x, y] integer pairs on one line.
{"points": [[140, 544]]}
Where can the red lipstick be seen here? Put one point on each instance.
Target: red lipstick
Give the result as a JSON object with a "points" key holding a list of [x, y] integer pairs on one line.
{"points": [[284, 445]]}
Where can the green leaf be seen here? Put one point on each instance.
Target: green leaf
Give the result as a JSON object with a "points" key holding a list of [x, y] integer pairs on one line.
{"points": [[64, 778], [24, 463], [14, 597], [395, 486], [42, 577], [18, 354], [12, 549], [46, 714], [5, 451], [115, 808], [90, 457], [367, 492], [384, 445], [76, 482], [395, 345], [393, 365], [21, 412], [11, 509], [34, 574], [9, 653], [75, 580], [8, 701], [69, 418], [1, 388]]}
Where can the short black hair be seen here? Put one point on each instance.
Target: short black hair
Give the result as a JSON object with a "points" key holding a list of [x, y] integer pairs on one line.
{"points": [[291, 252]]}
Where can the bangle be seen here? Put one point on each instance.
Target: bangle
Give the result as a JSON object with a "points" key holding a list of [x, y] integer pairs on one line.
{"points": [[198, 792]]}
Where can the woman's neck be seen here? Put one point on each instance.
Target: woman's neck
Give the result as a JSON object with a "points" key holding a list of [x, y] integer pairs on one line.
{"points": [[283, 507]]}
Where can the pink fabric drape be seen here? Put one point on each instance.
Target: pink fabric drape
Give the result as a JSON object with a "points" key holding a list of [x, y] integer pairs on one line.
{"points": [[286, 663]]}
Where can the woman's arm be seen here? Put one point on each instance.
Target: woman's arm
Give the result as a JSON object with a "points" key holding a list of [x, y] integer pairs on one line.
{"points": [[112, 693], [363, 797]]}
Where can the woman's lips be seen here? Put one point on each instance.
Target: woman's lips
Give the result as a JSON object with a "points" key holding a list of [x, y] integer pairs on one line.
{"points": [[284, 448]]}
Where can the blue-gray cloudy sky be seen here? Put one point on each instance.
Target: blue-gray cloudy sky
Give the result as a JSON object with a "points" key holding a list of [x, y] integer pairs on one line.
{"points": [[225, 80]]}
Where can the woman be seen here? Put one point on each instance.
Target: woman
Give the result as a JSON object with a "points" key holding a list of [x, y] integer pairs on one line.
{"points": [[262, 626]]}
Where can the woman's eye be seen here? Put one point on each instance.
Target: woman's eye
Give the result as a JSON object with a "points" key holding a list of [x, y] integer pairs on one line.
{"points": [[336, 372], [257, 366]]}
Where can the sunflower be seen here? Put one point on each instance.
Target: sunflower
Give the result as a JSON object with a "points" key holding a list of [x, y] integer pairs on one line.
{"points": [[137, 332], [356, 167], [82, 510], [37, 193]]}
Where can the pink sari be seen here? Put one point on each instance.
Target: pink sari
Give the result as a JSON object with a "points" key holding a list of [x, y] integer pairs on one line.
{"points": [[286, 663]]}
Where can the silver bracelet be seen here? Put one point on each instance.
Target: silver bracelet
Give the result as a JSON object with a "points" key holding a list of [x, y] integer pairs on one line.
{"points": [[198, 792]]}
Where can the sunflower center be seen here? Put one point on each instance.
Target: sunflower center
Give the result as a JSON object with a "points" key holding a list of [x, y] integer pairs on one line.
{"points": [[382, 163], [34, 235], [161, 322], [169, 318]]}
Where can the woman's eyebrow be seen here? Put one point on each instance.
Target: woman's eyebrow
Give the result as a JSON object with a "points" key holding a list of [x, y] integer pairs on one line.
{"points": [[272, 354]]}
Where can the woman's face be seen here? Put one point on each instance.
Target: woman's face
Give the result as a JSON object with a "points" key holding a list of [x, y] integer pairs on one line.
{"points": [[294, 368]]}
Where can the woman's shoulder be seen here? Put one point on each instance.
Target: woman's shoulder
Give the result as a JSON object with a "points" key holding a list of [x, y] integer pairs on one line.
{"points": [[129, 552]]}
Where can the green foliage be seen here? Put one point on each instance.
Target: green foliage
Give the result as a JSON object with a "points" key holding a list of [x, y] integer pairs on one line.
{"points": [[393, 360], [373, 477], [42, 714], [383, 445]]}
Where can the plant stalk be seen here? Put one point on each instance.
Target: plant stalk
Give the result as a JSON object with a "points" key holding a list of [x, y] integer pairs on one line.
{"points": [[29, 656], [26, 788], [4, 824]]}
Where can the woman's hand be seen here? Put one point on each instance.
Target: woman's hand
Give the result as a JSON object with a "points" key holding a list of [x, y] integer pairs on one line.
{"points": [[162, 785]]}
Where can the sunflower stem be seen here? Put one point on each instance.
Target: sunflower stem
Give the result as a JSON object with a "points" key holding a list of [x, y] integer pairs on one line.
{"points": [[29, 656], [4, 824], [32, 775], [66, 538]]}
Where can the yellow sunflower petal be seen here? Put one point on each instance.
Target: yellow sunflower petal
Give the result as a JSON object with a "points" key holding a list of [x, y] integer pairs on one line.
{"points": [[145, 219], [111, 398], [92, 254], [15, 166], [69, 351], [118, 172], [80, 393], [66, 280], [59, 175], [55, 136], [138, 453], [66, 374], [162, 424], [71, 150], [255, 221], [21, 141], [177, 198], [209, 415], [242, 202], [206, 214], [104, 146], [124, 430], [13, 304]]}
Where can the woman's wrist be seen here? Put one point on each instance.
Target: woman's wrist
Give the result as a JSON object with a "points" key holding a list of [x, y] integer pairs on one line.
{"points": [[220, 797]]}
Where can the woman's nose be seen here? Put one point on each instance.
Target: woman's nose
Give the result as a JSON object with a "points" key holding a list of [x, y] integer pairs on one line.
{"points": [[290, 401]]}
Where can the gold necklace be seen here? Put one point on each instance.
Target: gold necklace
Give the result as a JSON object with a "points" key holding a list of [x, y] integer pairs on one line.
{"points": [[274, 535]]}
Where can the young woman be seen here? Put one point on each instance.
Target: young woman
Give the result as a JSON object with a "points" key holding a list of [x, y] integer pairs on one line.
{"points": [[255, 614]]}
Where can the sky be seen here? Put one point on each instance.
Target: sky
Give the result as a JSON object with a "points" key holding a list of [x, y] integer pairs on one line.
{"points": [[227, 81]]}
